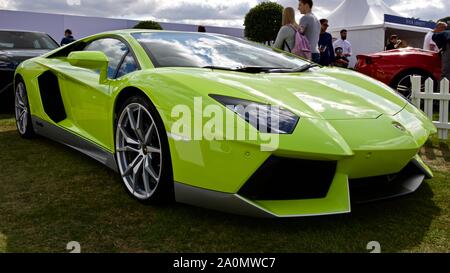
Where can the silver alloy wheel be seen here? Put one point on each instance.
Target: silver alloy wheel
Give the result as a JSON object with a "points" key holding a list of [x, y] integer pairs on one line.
{"points": [[21, 108], [404, 87], [138, 151]]}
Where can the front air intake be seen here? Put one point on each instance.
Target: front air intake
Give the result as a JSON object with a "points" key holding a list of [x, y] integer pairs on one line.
{"points": [[290, 179]]}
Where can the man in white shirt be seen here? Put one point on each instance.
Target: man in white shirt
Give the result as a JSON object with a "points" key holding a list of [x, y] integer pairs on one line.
{"points": [[344, 44], [428, 43]]}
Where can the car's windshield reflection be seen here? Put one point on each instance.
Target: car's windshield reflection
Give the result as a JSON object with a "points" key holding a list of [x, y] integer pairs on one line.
{"points": [[208, 50]]}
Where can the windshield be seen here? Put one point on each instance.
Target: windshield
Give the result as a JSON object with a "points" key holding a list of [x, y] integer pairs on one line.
{"points": [[25, 40], [172, 49]]}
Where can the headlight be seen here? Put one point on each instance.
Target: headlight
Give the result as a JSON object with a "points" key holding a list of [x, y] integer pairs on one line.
{"points": [[265, 118]]}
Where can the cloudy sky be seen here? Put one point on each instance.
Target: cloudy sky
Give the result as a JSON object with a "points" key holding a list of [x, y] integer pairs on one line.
{"points": [[208, 12]]}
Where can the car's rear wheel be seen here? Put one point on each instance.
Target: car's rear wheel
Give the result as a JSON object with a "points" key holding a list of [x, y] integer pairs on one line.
{"points": [[403, 84], [142, 152], [22, 111]]}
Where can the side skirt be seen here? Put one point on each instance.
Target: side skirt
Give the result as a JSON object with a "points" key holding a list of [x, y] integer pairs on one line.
{"points": [[46, 129]]}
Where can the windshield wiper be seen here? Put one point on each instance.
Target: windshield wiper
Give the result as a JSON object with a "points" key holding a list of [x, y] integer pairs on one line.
{"points": [[261, 69], [219, 67], [247, 69]]}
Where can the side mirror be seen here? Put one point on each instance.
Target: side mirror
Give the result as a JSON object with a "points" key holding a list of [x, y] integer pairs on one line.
{"points": [[95, 60]]}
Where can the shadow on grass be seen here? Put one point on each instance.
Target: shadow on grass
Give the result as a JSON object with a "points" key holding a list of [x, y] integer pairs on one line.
{"points": [[50, 195], [445, 151], [429, 151]]}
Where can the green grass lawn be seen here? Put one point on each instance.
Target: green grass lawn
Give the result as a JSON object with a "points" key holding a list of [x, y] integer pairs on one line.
{"points": [[51, 195]]}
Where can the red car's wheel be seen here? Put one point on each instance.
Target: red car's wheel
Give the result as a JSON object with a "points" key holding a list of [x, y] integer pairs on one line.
{"points": [[402, 83]]}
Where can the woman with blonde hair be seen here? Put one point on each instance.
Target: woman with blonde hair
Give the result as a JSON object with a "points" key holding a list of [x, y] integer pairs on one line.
{"points": [[286, 36]]}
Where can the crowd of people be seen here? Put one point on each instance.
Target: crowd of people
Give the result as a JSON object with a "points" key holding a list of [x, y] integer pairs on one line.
{"points": [[309, 38], [437, 40]]}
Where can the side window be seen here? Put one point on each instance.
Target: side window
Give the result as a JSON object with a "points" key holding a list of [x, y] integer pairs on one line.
{"points": [[128, 65], [113, 49]]}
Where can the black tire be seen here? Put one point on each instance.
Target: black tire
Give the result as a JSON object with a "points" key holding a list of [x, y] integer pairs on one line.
{"points": [[164, 191], [22, 111], [403, 79]]}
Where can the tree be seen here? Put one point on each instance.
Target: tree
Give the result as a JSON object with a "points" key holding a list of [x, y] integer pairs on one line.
{"points": [[263, 22], [447, 20], [148, 25]]}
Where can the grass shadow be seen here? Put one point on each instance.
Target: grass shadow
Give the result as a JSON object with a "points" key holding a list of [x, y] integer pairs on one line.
{"points": [[51, 194], [445, 151], [397, 224]]}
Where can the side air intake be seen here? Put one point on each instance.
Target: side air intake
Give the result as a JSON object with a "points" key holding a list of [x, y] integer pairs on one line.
{"points": [[51, 96]]}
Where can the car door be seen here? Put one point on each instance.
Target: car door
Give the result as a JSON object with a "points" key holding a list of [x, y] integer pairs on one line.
{"points": [[90, 101]]}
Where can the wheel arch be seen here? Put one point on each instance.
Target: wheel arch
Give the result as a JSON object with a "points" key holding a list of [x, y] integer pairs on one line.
{"points": [[123, 95], [131, 91], [17, 77]]}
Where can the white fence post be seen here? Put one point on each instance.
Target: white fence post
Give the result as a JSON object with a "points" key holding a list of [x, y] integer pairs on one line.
{"points": [[416, 81], [429, 88], [429, 96], [443, 109]]}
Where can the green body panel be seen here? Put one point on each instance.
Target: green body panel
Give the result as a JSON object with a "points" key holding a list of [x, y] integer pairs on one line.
{"points": [[344, 117]]}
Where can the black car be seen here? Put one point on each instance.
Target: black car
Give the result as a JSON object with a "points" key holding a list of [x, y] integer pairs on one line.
{"points": [[15, 47]]}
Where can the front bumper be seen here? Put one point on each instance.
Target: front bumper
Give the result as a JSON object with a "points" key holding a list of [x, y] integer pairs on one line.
{"points": [[326, 166], [339, 196]]}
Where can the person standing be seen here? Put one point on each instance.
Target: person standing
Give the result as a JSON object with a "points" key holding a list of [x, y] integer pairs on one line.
{"points": [[340, 60], [394, 42], [201, 29], [325, 44], [428, 43], [68, 38], [286, 36], [442, 40], [344, 44], [310, 27]]}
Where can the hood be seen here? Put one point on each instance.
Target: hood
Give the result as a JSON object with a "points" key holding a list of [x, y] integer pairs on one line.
{"points": [[323, 93], [14, 57], [20, 55]]}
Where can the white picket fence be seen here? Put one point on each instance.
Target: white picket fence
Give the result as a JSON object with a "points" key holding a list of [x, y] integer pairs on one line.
{"points": [[428, 96]]}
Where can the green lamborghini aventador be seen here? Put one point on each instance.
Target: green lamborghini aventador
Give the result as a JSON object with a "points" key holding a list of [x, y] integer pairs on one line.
{"points": [[224, 123]]}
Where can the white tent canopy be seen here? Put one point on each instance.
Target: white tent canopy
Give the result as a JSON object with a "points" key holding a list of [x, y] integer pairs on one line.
{"points": [[354, 13], [367, 30]]}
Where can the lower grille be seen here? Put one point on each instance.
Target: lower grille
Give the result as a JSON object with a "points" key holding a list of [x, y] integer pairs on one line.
{"points": [[372, 189], [290, 179]]}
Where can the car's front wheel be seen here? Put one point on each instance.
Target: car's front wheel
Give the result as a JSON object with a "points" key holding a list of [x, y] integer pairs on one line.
{"points": [[142, 152], [22, 111]]}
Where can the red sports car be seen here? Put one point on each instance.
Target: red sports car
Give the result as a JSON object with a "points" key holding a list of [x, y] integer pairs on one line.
{"points": [[394, 67]]}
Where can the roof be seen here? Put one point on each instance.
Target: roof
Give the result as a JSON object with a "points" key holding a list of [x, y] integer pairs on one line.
{"points": [[352, 13], [24, 31]]}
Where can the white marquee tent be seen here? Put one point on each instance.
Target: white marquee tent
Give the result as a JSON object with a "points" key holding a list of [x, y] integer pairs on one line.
{"points": [[370, 23]]}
